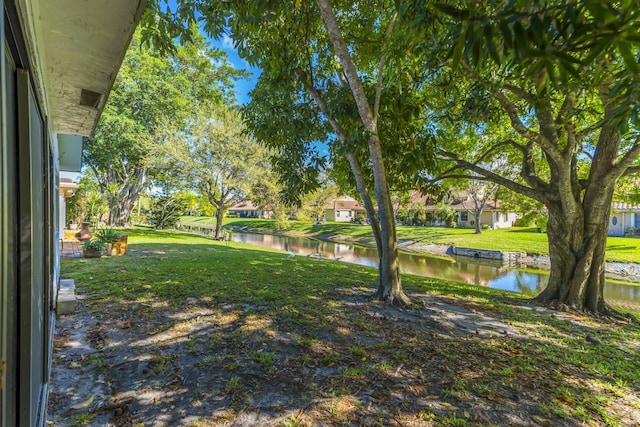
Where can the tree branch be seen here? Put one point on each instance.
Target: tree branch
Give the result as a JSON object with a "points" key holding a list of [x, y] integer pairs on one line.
{"points": [[567, 105], [319, 100], [627, 161], [582, 134], [523, 94], [491, 176], [512, 111], [376, 105], [458, 176], [493, 148], [544, 114], [342, 51]]}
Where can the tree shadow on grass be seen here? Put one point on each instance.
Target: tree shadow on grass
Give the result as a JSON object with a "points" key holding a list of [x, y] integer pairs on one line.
{"points": [[233, 336], [622, 248], [529, 230]]}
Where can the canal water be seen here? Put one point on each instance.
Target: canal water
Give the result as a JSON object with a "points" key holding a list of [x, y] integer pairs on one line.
{"points": [[473, 271]]}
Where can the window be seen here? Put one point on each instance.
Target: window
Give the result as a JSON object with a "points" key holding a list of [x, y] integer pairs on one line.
{"points": [[614, 220], [464, 216]]}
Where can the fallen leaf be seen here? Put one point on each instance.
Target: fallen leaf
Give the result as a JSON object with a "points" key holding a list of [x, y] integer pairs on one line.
{"points": [[231, 367], [567, 399], [84, 404], [542, 421]]}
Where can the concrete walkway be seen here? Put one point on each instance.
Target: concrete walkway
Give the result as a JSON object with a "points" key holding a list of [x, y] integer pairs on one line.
{"points": [[70, 249]]}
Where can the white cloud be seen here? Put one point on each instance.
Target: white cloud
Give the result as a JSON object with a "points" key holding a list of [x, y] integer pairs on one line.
{"points": [[227, 42]]}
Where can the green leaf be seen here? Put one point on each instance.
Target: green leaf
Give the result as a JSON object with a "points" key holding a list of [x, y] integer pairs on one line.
{"points": [[627, 56], [506, 34], [488, 33], [457, 51]]}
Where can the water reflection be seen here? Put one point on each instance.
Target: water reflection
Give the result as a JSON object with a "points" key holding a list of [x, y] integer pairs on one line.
{"points": [[472, 271]]}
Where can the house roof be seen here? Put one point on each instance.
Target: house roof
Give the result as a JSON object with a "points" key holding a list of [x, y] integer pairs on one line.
{"points": [[461, 201], [624, 206], [246, 205], [67, 187], [464, 205], [345, 203], [78, 47]]}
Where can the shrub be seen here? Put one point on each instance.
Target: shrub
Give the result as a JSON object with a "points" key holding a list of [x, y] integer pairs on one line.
{"points": [[541, 223], [107, 235], [138, 219], [94, 244], [167, 209], [281, 222], [527, 220]]}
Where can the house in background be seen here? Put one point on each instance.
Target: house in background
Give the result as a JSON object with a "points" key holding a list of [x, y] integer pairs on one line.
{"points": [[492, 215], [345, 209], [247, 209], [624, 219], [59, 61]]}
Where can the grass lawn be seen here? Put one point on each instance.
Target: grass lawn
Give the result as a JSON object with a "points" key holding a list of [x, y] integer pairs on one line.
{"points": [[620, 249], [187, 331]]}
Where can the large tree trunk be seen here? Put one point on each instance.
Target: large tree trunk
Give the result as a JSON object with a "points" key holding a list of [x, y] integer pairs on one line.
{"points": [[219, 219], [369, 207], [390, 287], [120, 214], [128, 193], [577, 252], [477, 214]]}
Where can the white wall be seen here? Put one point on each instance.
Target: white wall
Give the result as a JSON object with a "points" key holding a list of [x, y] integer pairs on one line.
{"points": [[623, 220]]}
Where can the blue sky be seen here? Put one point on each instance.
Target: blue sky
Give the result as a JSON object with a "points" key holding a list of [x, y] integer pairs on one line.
{"points": [[243, 87], [225, 43]]}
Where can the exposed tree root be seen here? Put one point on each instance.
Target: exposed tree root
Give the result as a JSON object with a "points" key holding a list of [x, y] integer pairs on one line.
{"points": [[402, 301], [607, 312], [614, 314]]}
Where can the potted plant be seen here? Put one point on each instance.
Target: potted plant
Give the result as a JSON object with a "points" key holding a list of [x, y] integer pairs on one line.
{"points": [[116, 242], [108, 236], [93, 248], [120, 247]]}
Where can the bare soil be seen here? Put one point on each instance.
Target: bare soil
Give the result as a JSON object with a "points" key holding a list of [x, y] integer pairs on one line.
{"points": [[200, 363]]}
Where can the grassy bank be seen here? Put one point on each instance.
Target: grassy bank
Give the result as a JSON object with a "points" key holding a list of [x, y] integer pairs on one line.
{"points": [[188, 331], [619, 249]]}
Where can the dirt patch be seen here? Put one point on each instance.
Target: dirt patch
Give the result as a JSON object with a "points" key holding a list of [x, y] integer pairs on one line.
{"points": [[197, 363]]}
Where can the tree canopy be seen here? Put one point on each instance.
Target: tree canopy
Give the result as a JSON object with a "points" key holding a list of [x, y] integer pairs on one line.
{"points": [[549, 89], [537, 96], [150, 90], [331, 72], [215, 155]]}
